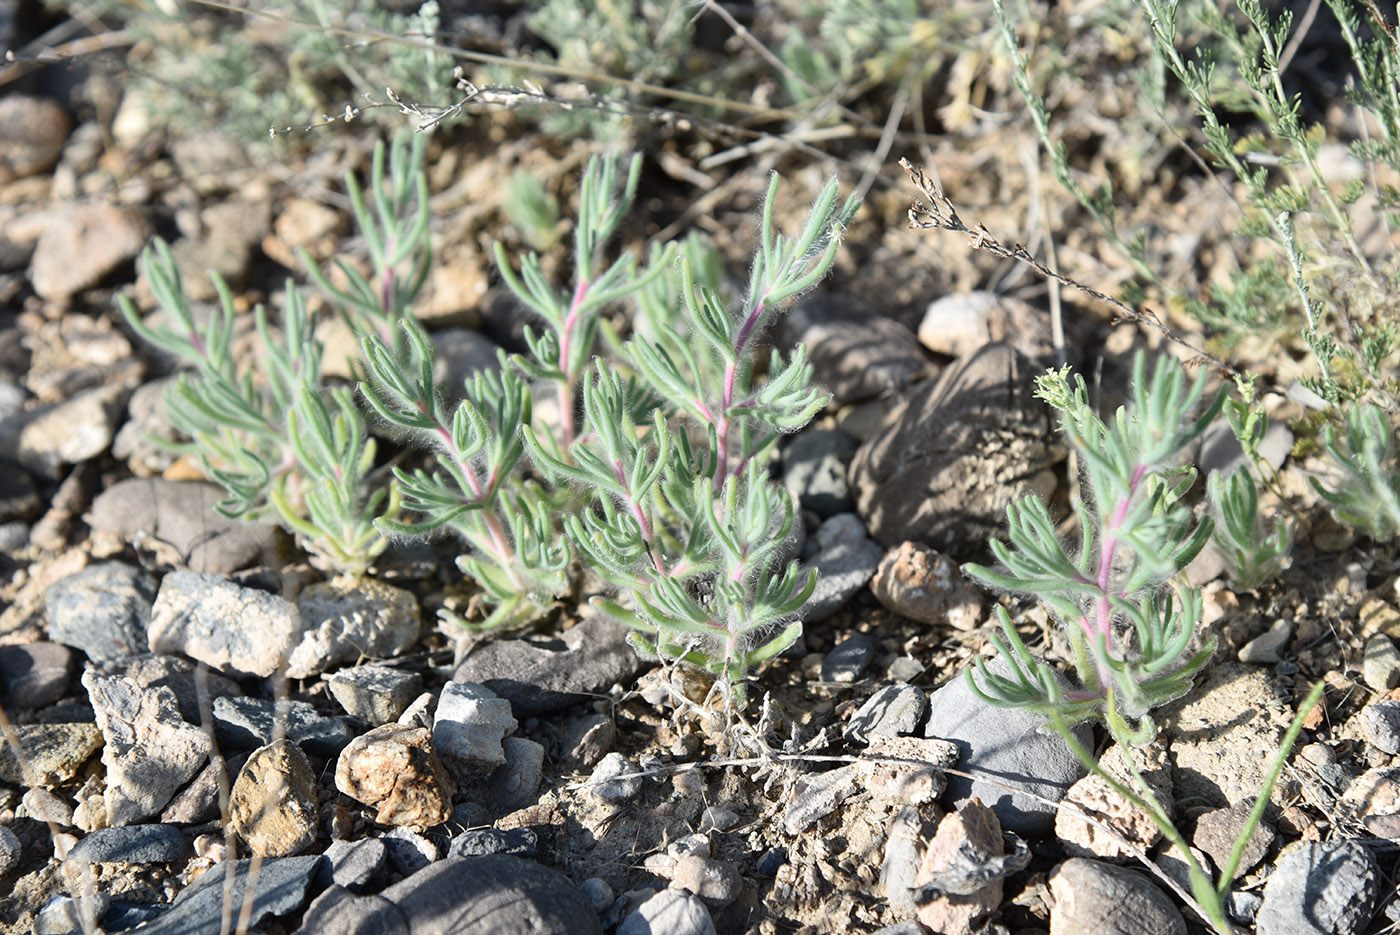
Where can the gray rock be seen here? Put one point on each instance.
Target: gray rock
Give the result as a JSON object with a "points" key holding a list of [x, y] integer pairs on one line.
{"points": [[252, 722], [890, 712], [1216, 831], [344, 623], [147, 420], [72, 431], [599, 894], [19, 498], [1320, 889], [10, 851], [34, 674], [669, 912], [942, 471], [848, 659], [857, 352], [273, 803], [375, 694], [587, 739], [407, 850], [53, 753], [355, 865], [134, 844], [281, 887], [1380, 664], [49, 807], [123, 914], [182, 516], [468, 727], [461, 352], [499, 895], [148, 749], [1221, 451], [1009, 744], [541, 675], [1266, 648], [1373, 799], [515, 784], [845, 560], [64, 915], [518, 842], [815, 796], [193, 685], [612, 779], [198, 802], [717, 882], [103, 610], [718, 818], [1091, 896], [237, 630], [1380, 725], [814, 469]]}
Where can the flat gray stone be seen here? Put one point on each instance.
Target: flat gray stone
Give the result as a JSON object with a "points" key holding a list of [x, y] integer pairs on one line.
{"points": [[72, 431], [845, 559], [355, 865], [814, 469], [541, 675], [375, 694], [344, 623], [34, 674], [1007, 744], [181, 515], [1380, 725], [244, 723], [890, 712], [103, 610], [134, 844], [282, 886], [669, 912], [515, 784]]}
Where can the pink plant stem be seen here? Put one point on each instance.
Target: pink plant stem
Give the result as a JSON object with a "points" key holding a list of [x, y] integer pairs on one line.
{"points": [[566, 386], [500, 545], [730, 373], [638, 514], [1102, 626]]}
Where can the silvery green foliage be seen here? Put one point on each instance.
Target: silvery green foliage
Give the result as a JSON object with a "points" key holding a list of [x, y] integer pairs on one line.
{"points": [[275, 436], [394, 226], [1132, 643], [655, 475], [1367, 493]]}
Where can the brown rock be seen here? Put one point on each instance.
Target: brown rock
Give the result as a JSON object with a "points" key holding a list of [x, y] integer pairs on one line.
{"points": [[82, 244], [916, 782], [32, 132], [942, 471], [303, 224], [273, 805], [1081, 838], [52, 753], [1377, 618], [969, 835], [1217, 830], [394, 769], [1374, 799], [960, 324], [922, 584]]}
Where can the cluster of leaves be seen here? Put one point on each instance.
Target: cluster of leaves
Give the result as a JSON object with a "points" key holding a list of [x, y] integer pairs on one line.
{"points": [[654, 472], [1132, 625]]}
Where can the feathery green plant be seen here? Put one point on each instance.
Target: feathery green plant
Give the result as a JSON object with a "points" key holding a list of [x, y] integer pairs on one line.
{"points": [[276, 437], [1367, 495], [654, 473], [1134, 648]]}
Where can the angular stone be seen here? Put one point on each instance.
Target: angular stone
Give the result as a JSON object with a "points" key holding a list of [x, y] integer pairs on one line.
{"points": [[253, 722], [1320, 889], [943, 470], [816, 796], [1217, 830], [1374, 799], [845, 560], [1380, 664], [72, 431], [858, 352], [965, 839], [273, 804], [375, 694], [917, 778], [1010, 744], [891, 711], [814, 469], [149, 750], [233, 629], [515, 783], [959, 324], [848, 659], [394, 769], [81, 244], [34, 674], [1081, 838], [468, 728], [675, 912], [53, 753], [541, 675], [347, 622], [613, 780], [281, 887], [102, 610], [355, 865]]}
